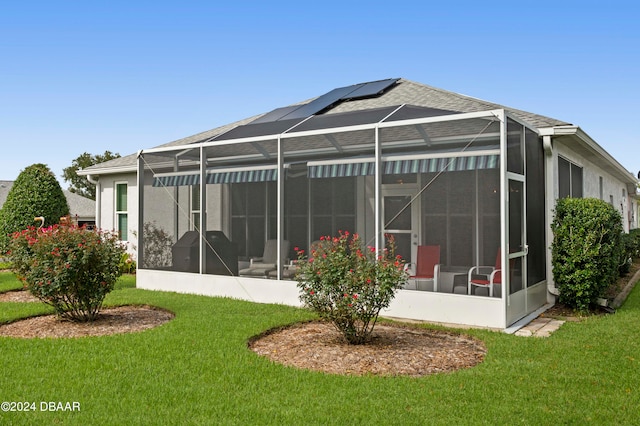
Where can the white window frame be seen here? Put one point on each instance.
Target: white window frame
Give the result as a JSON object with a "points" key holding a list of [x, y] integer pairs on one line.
{"points": [[123, 235], [572, 164]]}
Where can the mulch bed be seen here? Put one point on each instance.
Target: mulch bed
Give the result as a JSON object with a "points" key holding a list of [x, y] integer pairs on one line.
{"points": [[394, 350], [121, 319]]}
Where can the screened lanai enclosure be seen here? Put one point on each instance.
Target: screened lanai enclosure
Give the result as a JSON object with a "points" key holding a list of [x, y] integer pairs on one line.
{"points": [[223, 216]]}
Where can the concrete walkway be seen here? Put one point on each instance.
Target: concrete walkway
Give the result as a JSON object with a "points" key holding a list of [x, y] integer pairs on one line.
{"points": [[540, 327]]}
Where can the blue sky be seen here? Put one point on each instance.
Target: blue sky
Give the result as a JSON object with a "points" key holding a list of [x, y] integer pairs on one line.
{"points": [[125, 75]]}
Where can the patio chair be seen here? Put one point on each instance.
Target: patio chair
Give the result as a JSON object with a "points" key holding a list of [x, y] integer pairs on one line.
{"points": [[426, 268], [261, 266], [486, 276]]}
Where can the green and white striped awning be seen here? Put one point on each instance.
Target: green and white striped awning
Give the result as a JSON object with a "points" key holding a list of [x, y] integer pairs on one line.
{"points": [[328, 170], [242, 176], [233, 176], [341, 170], [176, 180], [407, 166]]}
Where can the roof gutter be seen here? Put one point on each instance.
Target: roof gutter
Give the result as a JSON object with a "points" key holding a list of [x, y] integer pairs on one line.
{"points": [[106, 171], [547, 145], [577, 133]]}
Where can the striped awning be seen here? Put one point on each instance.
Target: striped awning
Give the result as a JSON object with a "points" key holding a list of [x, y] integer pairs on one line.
{"points": [[262, 175], [341, 170], [362, 168], [235, 176], [422, 165], [176, 180]]}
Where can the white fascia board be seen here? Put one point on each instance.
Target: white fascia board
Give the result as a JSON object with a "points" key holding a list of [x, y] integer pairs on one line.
{"points": [[581, 136], [109, 170]]}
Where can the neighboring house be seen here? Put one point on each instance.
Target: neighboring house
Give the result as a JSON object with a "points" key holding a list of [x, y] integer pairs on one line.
{"points": [[474, 180], [81, 209]]}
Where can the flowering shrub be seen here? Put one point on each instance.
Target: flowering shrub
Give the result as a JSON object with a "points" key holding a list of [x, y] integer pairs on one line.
{"points": [[349, 284], [70, 268]]}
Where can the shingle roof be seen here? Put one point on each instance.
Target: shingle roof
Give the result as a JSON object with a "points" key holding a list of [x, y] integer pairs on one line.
{"points": [[412, 93], [405, 92], [81, 206]]}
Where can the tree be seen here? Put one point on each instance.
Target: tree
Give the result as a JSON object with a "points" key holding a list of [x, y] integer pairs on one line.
{"points": [[36, 192], [79, 184]]}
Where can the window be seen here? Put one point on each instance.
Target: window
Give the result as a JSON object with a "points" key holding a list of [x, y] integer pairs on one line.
{"points": [[122, 223], [601, 188], [569, 179]]}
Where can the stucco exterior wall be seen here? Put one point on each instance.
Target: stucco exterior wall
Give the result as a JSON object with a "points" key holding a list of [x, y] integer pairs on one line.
{"points": [[613, 191], [106, 216]]}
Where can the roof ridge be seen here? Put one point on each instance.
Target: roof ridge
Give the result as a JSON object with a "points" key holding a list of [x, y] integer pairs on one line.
{"points": [[483, 101]]}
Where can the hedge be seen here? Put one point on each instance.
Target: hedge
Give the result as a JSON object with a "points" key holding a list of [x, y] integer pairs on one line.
{"points": [[586, 250]]}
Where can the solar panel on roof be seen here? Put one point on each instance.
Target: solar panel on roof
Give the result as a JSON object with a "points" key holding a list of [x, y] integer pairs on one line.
{"points": [[257, 129], [355, 91], [320, 103], [370, 89], [276, 114], [344, 119]]}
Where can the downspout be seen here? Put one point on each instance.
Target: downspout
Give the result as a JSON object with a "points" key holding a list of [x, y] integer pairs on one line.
{"points": [[549, 191], [96, 182]]}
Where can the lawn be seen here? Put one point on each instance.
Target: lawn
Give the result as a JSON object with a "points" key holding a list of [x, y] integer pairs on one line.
{"points": [[197, 369]]}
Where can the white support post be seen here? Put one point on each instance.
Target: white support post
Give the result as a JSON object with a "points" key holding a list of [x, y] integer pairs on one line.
{"points": [[280, 209], [203, 211], [140, 225], [378, 228]]}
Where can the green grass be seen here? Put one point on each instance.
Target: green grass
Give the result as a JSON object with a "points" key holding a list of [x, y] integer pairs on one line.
{"points": [[8, 282], [197, 370]]}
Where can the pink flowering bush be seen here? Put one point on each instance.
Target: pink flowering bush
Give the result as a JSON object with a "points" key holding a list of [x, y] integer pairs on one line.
{"points": [[68, 267], [348, 284]]}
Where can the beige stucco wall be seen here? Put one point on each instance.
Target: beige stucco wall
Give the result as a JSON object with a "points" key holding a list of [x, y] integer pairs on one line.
{"points": [[613, 190], [106, 216]]}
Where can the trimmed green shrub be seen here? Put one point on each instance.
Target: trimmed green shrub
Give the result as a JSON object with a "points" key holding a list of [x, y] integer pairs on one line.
{"points": [[630, 250], [36, 192], [69, 268], [586, 250], [349, 284]]}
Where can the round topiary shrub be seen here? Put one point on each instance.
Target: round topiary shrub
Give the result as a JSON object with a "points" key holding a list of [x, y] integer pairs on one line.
{"points": [[69, 268], [36, 192], [586, 250], [348, 284]]}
